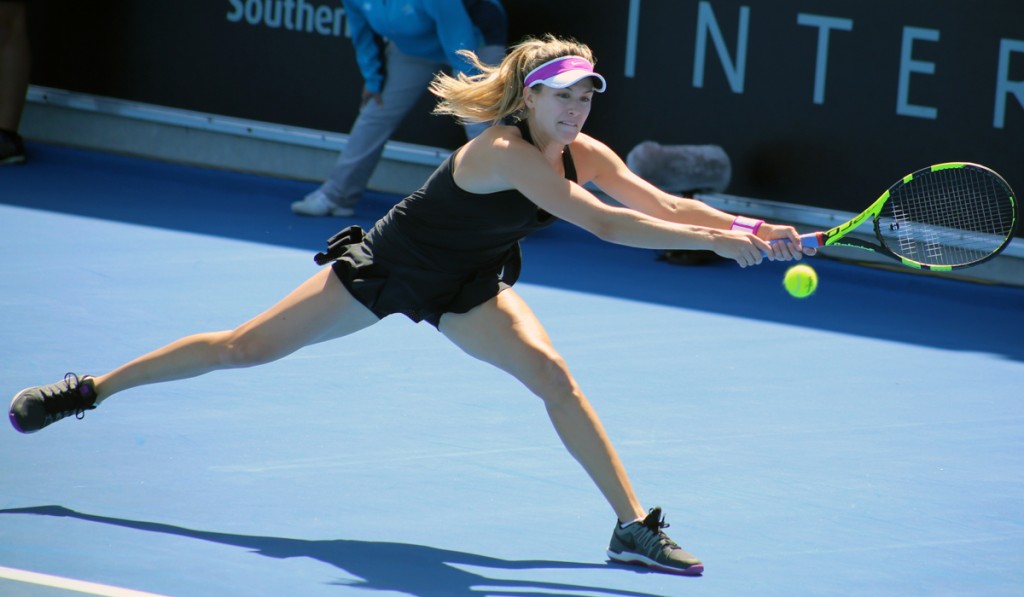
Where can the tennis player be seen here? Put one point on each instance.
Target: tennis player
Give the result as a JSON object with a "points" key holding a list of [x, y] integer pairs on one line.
{"points": [[448, 254]]}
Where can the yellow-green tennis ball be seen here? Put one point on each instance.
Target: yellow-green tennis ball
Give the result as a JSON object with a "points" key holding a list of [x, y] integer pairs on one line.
{"points": [[801, 281]]}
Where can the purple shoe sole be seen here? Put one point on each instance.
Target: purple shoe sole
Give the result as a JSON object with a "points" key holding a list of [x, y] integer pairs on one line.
{"points": [[694, 570]]}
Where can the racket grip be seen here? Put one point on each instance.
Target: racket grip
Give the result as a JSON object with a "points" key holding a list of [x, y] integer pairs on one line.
{"points": [[811, 240]]}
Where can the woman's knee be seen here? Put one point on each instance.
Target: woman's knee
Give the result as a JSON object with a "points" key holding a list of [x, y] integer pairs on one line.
{"points": [[241, 349], [551, 379]]}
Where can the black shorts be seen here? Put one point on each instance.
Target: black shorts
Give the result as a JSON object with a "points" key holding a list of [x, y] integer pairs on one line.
{"points": [[419, 294]]}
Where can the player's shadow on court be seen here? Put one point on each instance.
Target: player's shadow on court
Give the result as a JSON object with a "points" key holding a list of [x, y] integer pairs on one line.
{"points": [[411, 569]]}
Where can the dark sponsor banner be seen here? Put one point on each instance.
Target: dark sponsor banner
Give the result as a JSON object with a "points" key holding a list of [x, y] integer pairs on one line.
{"points": [[822, 102], [284, 61]]}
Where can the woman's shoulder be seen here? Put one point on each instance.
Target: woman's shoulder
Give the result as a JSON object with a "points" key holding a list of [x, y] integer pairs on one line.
{"points": [[586, 143], [593, 158], [479, 166], [496, 143], [502, 133]]}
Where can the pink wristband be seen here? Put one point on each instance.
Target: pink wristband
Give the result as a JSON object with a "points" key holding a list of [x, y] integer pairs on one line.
{"points": [[746, 224]]}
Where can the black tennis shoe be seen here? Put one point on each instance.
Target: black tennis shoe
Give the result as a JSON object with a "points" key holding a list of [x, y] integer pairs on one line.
{"points": [[35, 408], [644, 542]]}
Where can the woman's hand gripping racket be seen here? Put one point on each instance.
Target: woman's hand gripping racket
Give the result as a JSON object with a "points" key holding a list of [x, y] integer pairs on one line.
{"points": [[940, 218]]}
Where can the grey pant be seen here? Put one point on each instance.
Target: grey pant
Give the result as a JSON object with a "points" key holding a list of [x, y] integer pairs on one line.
{"points": [[407, 80]]}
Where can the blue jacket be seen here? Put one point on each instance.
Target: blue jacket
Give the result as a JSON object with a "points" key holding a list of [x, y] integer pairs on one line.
{"points": [[430, 29]]}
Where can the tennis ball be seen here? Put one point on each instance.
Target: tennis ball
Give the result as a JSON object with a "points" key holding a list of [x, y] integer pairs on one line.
{"points": [[801, 281]]}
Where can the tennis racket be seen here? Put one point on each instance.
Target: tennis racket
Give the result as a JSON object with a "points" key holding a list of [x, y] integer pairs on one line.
{"points": [[941, 218]]}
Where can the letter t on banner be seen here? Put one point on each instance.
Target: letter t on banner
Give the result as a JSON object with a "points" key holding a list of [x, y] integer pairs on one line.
{"points": [[824, 25]]}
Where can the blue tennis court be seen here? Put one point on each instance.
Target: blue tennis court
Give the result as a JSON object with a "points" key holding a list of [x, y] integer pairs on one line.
{"points": [[866, 441]]}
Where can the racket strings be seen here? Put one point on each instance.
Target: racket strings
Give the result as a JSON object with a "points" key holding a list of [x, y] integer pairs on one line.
{"points": [[948, 217]]}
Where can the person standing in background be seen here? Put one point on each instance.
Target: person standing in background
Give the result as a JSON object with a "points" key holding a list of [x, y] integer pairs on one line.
{"points": [[400, 46], [14, 69]]}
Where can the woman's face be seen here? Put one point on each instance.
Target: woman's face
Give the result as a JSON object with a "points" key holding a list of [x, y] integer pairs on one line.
{"points": [[559, 114]]}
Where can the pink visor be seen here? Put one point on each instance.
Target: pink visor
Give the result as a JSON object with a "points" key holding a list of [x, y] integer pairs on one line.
{"points": [[564, 72]]}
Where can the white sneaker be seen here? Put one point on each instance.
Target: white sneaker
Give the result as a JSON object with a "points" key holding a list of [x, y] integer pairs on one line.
{"points": [[317, 204]]}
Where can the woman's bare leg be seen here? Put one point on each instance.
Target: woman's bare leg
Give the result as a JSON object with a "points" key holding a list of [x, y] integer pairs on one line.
{"points": [[505, 332], [320, 309]]}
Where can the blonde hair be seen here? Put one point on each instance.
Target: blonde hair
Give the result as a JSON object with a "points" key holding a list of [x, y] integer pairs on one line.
{"points": [[497, 91]]}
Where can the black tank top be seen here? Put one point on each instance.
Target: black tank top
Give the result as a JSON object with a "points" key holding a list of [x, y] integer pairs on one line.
{"points": [[446, 228], [443, 249]]}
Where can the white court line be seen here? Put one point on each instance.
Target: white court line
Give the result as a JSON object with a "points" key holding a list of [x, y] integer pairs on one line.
{"points": [[69, 584]]}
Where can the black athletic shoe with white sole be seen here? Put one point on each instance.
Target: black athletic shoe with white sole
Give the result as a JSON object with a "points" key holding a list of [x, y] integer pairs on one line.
{"points": [[35, 408], [644, 542]]}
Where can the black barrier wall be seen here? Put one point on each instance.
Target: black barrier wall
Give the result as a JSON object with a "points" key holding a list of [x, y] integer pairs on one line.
{"points": [[820, 102]]}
